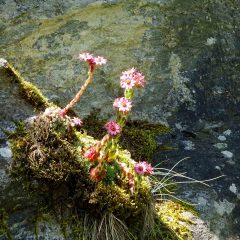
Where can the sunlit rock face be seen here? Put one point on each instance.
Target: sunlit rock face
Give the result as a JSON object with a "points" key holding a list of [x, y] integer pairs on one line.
{"points": [[189, 52]]}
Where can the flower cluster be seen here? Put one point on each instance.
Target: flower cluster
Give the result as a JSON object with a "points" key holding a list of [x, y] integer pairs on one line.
{"points": [[87, 57], [104, 155], [55, 113], [132, 78]]}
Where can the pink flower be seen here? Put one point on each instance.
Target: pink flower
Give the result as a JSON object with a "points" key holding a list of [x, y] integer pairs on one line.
{"points": [[113, 128], [91, 154], [87, 57], [127, 80], [149, 169], [123, 105], [140, 168], [100, 60], [62, 113], [139, 78], [143, 168], [76, 122], [132, 78]]}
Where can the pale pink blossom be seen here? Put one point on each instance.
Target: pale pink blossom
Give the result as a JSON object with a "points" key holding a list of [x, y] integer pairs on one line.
{"points": [[140, 168], [143, 168], [100, 60], [76, 122], [113, 128], [140, 79], [123, 105], [132, 78], [85, 56], [127, 83], [149, 168]]}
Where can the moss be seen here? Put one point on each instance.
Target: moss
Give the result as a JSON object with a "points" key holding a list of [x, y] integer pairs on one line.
{"points": [[49, 151], [4, 228], [139, 137], [46, 150], [29, 91], [172, 220]]}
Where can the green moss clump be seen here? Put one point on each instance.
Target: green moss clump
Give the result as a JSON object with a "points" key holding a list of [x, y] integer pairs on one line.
{"points": [[171, 219], [48, 157], [139, 137], [49, 150]]}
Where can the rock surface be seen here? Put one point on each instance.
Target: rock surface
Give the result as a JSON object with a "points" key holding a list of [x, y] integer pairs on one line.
{"points": [[189, 52]]}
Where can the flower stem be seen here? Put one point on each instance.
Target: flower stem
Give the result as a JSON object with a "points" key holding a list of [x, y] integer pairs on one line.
{"points": [[83, 88]]}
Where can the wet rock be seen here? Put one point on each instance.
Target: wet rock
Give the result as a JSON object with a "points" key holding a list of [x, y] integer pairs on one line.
{"points": [[227, 154], [188, 145], [227, 132], [233, 188], [221, 145], [222, 138], [224, 207], [6, 152]]}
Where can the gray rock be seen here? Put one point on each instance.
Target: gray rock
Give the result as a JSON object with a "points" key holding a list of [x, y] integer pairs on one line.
{"points": [[227, 132], [227, 154], [233, 188], [188, 145], [221, 145], [222, 138], [223, 207], [3, 62], [189, 53], [6, 152]]}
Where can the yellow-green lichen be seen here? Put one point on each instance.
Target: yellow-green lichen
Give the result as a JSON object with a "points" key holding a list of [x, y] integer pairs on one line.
{"points": [[4, 228], [174, 223]]}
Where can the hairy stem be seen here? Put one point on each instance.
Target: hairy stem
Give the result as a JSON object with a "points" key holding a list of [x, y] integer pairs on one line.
{"points": [[80, 93]]}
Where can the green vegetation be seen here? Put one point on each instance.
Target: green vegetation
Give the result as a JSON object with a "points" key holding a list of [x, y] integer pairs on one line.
{"points": [[4, 229], [139, 137], [48, 161]]}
